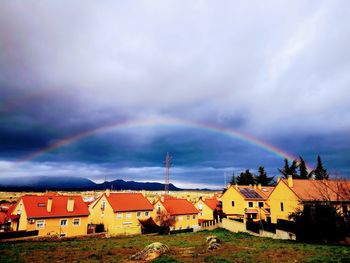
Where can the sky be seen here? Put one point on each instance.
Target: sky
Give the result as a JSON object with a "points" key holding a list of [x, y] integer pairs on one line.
{"points": [[103, 90]]}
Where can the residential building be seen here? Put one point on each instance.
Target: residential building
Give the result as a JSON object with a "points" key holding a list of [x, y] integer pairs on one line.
{"points": [[291, 194], [247, 202], [184, 213], [61, 215], [208, 208], [120, 212]]}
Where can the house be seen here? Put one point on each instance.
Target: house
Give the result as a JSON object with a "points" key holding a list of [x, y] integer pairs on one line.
{"points": [[292, 194], [6, 216], [54, 214], [119, 213], [208, 208], [184, 213], [246, 202]]}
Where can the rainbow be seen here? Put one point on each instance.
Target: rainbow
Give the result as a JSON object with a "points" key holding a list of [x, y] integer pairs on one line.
{"points": [[169, 122]]}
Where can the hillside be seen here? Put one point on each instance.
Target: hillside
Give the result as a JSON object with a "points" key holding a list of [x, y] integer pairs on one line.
{"points": [[189, 247], [42, 183]]}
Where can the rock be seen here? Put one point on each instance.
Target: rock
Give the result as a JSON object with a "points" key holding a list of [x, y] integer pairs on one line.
{"points": [[213, 242], [150, 252]]}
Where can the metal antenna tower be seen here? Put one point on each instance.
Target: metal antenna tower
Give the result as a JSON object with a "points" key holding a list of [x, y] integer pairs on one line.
{"points": [[167, 166]]}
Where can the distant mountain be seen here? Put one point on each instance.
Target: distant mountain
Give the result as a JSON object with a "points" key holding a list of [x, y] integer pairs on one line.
{"points": [[42, 183]]}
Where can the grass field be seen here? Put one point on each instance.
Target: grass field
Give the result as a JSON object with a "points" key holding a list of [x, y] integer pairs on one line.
{"points": [[188, 247]]}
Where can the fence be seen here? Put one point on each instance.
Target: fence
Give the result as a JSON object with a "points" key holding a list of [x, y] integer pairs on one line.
{"points": [[18, 234]]}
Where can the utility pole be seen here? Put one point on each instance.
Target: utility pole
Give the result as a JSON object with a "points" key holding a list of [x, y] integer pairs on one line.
{"points": [[167, 166], [225, 184]]}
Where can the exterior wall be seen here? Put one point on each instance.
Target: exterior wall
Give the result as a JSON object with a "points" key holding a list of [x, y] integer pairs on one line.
{"points": [[22, 223], [206, 213], [52, 226], [186, 221], [282, 194], [232, 195], [117, 223]]}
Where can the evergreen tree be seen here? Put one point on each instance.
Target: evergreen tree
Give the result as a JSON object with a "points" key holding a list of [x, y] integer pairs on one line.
{"points": [[245, 178], [320, 172], [285, 171], [293, 169], [289, 170], [262, 177], [233, 179], [303, 173]]}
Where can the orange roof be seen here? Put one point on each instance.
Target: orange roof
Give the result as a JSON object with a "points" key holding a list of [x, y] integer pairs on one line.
{"points": [[212, 203], [177, 206], [128, 202], [331, 190], [35, 206]]}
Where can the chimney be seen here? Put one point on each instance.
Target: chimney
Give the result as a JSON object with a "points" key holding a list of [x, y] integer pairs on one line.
{"points": [[49, 204], [290, 181], [254, 186], [70, 204], [108, 192], [162, 198], [278, 179], [259, 186], [236, 186]]}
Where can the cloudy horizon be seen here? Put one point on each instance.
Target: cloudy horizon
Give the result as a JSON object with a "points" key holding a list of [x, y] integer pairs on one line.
{"points": [[276, 71]]}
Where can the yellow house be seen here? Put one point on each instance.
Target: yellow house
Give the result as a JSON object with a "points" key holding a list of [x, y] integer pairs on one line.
{"points": [[120, 212], [208, 208], [290, 195], [183, 211], [51, 214], [246, 202]]}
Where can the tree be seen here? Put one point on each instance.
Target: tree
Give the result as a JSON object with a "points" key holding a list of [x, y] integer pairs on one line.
{"points": [[245, 178], [233, 179], [320, 172], [289, 170], [165, 221], [320, 222], [262, 177], [303, 173]]}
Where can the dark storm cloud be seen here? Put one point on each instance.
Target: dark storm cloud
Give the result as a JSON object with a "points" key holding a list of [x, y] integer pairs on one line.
{"points": [[278, 71]]}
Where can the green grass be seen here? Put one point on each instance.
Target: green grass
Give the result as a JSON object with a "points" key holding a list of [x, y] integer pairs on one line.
{"points": [[188, 247]]}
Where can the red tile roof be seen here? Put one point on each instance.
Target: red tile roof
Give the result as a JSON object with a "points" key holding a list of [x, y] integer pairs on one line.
{"points": [[330, 190], [177, 206], [121, 202], [35, 206], [212, 203]]}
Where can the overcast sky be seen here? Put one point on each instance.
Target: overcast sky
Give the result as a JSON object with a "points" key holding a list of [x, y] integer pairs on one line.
{"points": [[278, 71]]}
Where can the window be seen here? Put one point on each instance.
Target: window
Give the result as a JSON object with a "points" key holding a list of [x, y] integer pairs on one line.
{"points": [[250, 204], [233, 203], [41, 205], [76, 222], [64, 222], [138, 214], [147, 213], [180, 218], [282, 207], [261, 204], [120, 215], [158, 208], [194, 217], [128, 215], [188, 217], [40, 223], [103, 204], [200, 206]]}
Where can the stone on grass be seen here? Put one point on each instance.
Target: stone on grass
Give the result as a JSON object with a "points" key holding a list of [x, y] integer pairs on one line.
{"points": [[150, 252], [213, 242]]}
